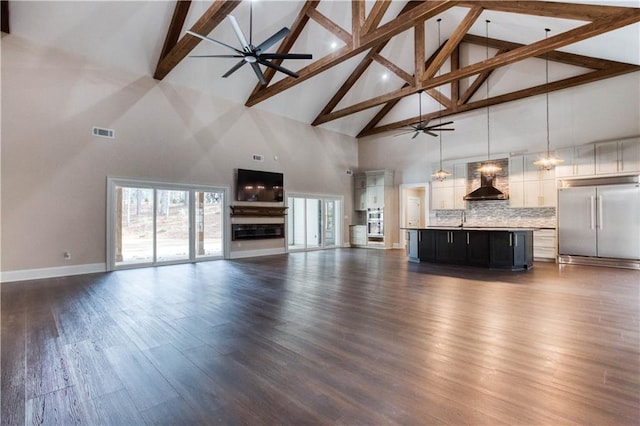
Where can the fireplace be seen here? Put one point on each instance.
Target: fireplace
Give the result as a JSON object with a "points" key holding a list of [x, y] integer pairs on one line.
{"points": [[256, 231]]}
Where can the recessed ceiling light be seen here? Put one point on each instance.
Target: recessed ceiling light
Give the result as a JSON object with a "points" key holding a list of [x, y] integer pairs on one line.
{"points": [[334, 45], [385, 76]]}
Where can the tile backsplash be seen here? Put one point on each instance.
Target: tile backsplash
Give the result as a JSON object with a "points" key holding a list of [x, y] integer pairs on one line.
{"points": [[495, 213]]}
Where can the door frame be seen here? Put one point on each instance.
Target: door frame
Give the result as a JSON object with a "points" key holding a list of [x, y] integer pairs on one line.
{"points": [[402, 204], [113, 182], [339, 214]]}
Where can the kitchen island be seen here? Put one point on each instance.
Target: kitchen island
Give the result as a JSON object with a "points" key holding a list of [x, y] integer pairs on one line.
{"points": [[495, 248]]}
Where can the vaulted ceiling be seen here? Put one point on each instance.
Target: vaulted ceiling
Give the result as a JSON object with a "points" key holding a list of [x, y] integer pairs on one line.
{"points": [[370, 58]]}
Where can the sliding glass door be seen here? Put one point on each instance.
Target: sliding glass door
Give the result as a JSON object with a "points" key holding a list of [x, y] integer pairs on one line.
{"points": [[313, 222], [153, 223]]}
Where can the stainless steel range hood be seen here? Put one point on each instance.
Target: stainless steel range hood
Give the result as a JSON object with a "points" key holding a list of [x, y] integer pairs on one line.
{"points": [[486, 191]]}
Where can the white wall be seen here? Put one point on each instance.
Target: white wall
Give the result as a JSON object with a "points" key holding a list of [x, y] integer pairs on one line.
{"points": [[54, 171]]}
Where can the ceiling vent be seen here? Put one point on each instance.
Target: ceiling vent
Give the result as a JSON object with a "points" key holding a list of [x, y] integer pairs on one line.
{"points": [[103, 133], [257, 157]]}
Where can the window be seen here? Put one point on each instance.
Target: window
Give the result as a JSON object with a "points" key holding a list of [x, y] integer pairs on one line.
{"points": [[151, 223]]}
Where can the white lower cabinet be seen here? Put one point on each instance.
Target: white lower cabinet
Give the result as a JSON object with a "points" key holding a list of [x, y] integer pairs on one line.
{"points": [[544, 244], [358, 235]]}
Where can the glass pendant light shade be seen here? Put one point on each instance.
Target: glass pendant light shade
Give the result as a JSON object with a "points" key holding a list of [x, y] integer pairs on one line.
{"points": [[550, 161]]}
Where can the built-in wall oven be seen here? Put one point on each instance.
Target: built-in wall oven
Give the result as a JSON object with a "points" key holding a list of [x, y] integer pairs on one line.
{"points": [[375, 222]]}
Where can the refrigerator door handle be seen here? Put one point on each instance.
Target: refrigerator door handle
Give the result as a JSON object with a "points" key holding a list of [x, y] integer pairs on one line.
{"points": [[600, 221], [592, 212]]}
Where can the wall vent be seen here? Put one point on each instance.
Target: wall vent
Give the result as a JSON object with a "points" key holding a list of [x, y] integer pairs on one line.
{"points": [[257, 157], [103, 133]]}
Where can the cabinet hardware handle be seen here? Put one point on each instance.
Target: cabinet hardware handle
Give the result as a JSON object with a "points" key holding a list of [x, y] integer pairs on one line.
{"points": [[451, 237], [467, 238], [419, 236], [600, 221], [592, 218], [510, 240], [516, 240]]}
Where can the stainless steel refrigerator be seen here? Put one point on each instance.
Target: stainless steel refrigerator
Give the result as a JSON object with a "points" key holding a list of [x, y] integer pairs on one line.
{"points": [[599, 221]]}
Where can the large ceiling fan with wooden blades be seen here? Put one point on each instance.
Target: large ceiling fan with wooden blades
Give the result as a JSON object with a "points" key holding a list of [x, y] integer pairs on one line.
{"points": [[253, 55], [423, 126]]}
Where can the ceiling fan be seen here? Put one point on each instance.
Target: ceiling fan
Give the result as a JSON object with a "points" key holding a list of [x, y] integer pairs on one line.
{"points": [[422, 126], [253, 55]]}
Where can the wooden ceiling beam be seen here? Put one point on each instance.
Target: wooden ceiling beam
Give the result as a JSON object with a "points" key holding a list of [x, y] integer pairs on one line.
{"points": [[331, 26], [216, 13], [393, 68], [375, 15], [357, 21], [583, 32], [419, 52], [175, 27], [288, 42], [589, 77], [552, 9], [455, 64], [420, 13], [555, 56], [452, 43]]}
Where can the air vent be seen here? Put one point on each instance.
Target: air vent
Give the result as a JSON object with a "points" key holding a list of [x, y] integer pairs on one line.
{"points": [[103, 133], [349, 172], [258, 157]]}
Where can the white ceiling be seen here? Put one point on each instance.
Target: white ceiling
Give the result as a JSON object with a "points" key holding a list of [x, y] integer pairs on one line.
{"points": [[130, 34]]}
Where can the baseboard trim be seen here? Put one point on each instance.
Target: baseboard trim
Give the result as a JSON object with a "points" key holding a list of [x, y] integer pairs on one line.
{"points": [[58, 271], [255, 253]]}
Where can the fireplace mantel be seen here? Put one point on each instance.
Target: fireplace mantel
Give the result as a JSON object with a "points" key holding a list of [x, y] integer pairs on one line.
{"points": [[259, 211]]}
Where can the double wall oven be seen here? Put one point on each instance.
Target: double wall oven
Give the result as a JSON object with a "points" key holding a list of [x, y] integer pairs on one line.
{"points": [[375, 223]]}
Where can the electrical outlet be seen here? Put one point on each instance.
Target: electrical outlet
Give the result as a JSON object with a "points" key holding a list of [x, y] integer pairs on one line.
{"points": [[67, 255]]}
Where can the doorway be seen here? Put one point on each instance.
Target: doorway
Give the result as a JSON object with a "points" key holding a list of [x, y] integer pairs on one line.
{"points": [[414, 207], [313, 222]]}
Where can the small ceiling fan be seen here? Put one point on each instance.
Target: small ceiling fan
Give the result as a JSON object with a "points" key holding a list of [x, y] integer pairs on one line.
{"points": [[253, 55], [422, 126]]}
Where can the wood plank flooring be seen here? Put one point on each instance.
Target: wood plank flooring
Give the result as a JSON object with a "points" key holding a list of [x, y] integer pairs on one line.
{"points": [[347, 336]]}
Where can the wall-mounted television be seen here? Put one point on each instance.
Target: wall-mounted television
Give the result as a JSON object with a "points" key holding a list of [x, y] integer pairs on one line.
{"points": [[255, 185]]}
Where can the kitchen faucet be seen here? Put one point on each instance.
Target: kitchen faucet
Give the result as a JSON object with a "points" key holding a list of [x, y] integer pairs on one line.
{"points": [[463, 218]]}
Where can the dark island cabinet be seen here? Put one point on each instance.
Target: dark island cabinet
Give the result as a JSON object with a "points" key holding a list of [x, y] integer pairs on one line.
{"points": [[478, 248], [451, 247], [511, 250], [427, 245], [497, 249]]}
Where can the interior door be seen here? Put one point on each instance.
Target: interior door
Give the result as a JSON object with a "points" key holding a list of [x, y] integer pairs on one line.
{"points": [[618, 221], [413, 212], [577, 221]]}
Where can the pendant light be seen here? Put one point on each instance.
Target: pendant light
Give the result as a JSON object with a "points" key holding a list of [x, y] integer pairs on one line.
{"points": [[550, 161], [441, 174], [489, 168]]}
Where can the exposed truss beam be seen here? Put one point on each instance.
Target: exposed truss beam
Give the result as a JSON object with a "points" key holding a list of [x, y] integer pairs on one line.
{"points": [[420, 13], [455, 64], [175, 27], [357, 21], [552, 9], [452, 43], [331, 26], [393, 68], [363, 65], [590, 77], [216, 13], [375, 15], [583, 32]]}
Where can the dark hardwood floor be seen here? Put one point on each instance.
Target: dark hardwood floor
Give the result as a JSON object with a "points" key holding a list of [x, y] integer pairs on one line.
{"points": [[347, 336]]}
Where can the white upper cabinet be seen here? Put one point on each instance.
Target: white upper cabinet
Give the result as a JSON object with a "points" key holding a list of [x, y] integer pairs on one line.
{"points": [[449, 193], [529, 185], [618, 156]]}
